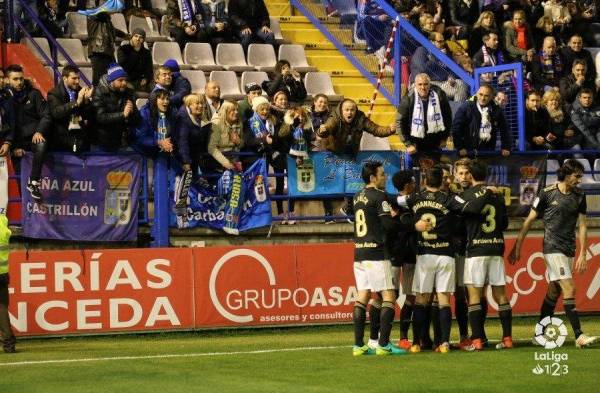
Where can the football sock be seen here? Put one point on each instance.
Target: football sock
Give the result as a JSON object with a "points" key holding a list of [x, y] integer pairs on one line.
{"points": [[374, 319], [405, 319], [418, 322], [475, 320], [505, 313], [573, 315], [445, 320], [359, 316], [435, 320], [547, 309], [387, 317], [484, 311], [462, 313], [424, 334]]}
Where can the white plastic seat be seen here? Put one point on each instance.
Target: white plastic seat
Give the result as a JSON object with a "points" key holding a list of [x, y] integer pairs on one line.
{"points": [[597, 169], [118, 22], [199, 56], [262, 57], [43, 44], [296, 56], [320, 83], [551, 168], [257, 77], [230, 88], [75, 50], [276, 29], [149, 25], [231, 57], [197, 80], [77, 25], [140, 102], [163, 51]]}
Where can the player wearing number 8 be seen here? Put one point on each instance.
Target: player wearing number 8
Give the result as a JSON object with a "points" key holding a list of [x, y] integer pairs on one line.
{"points": [[484, 261], [374, 220]]}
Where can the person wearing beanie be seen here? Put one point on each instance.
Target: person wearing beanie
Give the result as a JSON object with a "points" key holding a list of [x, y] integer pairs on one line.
{"points": [[259, 132], [136, 60], [101, 45], [180, 85], [252, 90], [116, 113]]}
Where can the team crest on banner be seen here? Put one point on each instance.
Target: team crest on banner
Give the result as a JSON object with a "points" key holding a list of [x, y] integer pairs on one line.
{"points": [[305, 173], [529, 184], [117, 202]]}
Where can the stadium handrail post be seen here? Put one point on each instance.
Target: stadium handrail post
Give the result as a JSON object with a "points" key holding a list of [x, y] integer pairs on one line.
{"points": [[160, 229]]}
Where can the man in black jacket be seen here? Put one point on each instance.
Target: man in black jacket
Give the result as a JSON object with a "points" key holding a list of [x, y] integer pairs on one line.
{"points": [[32, 121], [116, 112], [180, 85], [250, 20], [537, 123], [136, 60], [71, 111], [477, 124], [571, 85], [575, 51]]}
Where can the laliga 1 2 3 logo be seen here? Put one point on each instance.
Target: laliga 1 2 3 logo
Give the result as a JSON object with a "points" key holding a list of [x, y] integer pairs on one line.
{"points": [[550, 332]]}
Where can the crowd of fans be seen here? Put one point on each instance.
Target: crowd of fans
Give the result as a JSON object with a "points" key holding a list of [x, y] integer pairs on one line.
{"points": [[276, 119]]}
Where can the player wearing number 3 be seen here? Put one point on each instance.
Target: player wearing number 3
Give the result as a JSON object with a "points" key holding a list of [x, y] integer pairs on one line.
{"points": [[484, 263], [374, 221], [435, 252]]}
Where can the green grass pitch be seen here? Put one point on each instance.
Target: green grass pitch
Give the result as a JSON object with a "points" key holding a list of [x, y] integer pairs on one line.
{"points": [[272, 360]]}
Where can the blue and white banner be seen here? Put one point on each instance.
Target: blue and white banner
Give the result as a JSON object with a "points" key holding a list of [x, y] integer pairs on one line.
{"points": [[92, 198], [242, 204], [325, 173], [110, 6]]}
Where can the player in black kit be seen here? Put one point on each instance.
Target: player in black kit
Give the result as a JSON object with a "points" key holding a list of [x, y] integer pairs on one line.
{"points": [[484, 262], [435, 252], [561, 205], [373, 220]]}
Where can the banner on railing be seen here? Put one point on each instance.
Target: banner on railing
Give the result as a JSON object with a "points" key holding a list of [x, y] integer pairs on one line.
{"points": [[325, 173], [241, 206], [64, 292], [83, 198]]}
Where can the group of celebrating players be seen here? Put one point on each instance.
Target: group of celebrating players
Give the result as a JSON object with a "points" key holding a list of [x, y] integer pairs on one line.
{"points": [[448, 239]]}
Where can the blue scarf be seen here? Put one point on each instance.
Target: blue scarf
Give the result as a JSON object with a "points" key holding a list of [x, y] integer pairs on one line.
{"points": [[259, 127], [187, 11]]}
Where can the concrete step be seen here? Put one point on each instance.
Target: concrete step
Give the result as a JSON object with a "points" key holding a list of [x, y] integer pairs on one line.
{"points": [[312, 35], [299, 18], [279, 8], [329, 45]]}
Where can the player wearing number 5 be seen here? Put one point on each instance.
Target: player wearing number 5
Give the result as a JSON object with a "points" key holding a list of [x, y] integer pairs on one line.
{"points": [[561, 205], [435, 252], [484, 263], [374, 220]]}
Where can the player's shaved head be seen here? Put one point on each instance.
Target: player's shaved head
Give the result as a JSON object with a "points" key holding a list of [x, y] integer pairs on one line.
{"points": [[434, 177], [478, 170]]}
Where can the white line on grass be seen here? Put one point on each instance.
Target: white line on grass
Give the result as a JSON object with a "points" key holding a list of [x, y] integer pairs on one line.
{"points": [[170, 356]]}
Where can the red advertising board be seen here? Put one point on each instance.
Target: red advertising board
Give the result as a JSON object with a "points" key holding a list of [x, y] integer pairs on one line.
{"points": [[64, 292], [61, 292]]}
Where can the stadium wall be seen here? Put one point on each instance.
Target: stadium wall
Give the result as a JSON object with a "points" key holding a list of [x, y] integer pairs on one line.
{"points": [[127, 290]]}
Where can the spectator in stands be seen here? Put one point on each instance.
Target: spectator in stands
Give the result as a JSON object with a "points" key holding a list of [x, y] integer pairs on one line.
{"points": [[566, 134], [343, 131], [584, 17], [226, 136], [485, 24], [571, 85], [185, 23], [180, 85], [546, 66], [261, 129], [72, 113], [32, 124], [477, 124], [534, 10], [373, 25], [518, 39], [288, 80], [7, 118], [136, 60], [155, 132], [251, 22], [193, 134], [252, 90], [586, 118], [574, 50], [537, 123], [54, 20], [424, 118], [163, 78], [561, 17], [116, 113], [544, 28], [216, 22], [424, 62], [101, 44], [489, 54], [427, 24], [23, 16], [463, 14], [212, 94]]}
